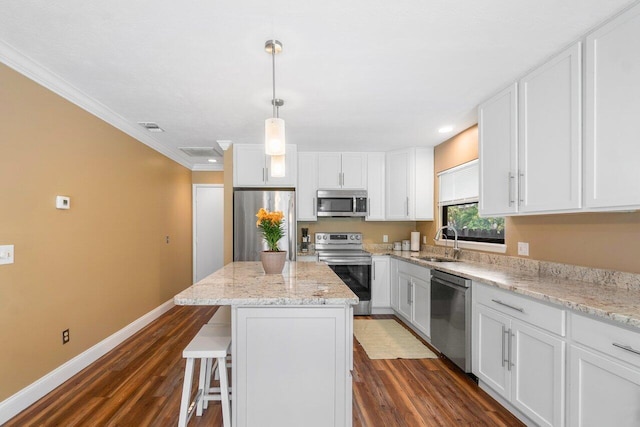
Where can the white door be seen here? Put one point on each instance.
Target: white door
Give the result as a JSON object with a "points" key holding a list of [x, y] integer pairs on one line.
{"points": [[398, 173], [422, 305], [375, 186], [249, 165], [394, 279], [354, 171], [538, 374], [329, 171], [380, 286], [405, 295], [208, 230], [307, 186], [490, 349], [603, 392]]}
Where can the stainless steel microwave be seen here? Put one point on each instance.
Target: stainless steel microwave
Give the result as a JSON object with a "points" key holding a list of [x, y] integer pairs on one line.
{"points": [[342, 203]]}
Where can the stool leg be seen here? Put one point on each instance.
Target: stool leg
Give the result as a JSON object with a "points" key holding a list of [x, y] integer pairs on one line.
{"points": [[186, 393], [201, 383], [224, 392], [207, 382]]}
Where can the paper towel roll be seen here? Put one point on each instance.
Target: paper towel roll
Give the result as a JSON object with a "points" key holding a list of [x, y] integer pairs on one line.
{"points": [[415, 241]]}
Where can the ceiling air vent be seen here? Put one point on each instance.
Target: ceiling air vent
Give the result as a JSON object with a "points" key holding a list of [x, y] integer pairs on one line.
{"points": [[151, 126], [200, 151]]}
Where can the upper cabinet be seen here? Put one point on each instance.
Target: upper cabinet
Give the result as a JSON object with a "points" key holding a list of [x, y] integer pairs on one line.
{"points": [[342, 171], [251, 167], [307, 186], [409, 184], [376, 186], [530, 141], [612, 175]]}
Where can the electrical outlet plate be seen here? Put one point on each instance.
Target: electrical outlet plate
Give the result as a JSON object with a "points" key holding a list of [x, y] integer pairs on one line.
{"points": [[523, 248], [6, 254], [385, 238], [63, 202], [65, 336]]}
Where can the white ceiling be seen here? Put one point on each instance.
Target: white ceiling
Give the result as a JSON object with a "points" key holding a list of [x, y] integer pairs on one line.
{"points": [[362, 75]]}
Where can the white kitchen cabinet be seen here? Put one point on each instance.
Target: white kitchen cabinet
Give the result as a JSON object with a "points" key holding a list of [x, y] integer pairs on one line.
{"points": [[414, 296], [550, 143], [604, 364], [498, 153], [522, 362], [307, 188], [612, 176], [530, 141], [380, 284], [251, 167], [394, 282], [346, 171], [376, 186], [409, 184]]}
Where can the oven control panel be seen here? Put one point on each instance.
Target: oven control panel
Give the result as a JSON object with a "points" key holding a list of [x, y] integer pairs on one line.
{"points": [[339, 238]]}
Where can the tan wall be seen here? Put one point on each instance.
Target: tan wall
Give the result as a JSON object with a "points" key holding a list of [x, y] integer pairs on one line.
{"points": [[96, 267], [599, 240], [371, 231], [207, 177]]}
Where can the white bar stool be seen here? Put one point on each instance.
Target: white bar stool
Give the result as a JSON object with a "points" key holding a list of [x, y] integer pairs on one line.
{"points": [[211, 343]]}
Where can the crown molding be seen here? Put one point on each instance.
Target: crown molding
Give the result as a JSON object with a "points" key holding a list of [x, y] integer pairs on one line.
{"points": [[39, 74], [208, 167]]}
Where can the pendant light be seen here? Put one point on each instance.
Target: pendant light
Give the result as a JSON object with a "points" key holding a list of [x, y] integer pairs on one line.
{"points": [[274, 139]]}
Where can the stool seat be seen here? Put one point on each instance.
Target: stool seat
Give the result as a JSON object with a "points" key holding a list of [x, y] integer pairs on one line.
{"points": [[222, 316], [211, 343]]}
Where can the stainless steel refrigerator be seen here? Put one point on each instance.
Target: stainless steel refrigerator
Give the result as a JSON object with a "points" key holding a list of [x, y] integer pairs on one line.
{"points": [[247, 239]]}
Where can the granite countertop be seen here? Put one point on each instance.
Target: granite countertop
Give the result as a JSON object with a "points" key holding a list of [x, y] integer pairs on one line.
{"points": [[245, 283], [598, 293]]}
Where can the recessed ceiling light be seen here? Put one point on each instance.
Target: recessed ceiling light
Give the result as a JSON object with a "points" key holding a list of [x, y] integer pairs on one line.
{"points": [[212, 160], [445, 129], [151, 126]]}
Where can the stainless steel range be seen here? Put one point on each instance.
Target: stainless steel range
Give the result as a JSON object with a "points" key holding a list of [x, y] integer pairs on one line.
{"points": [[343, 253]]}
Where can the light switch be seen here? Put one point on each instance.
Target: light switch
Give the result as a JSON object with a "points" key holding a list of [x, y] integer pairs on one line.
{"points": [[523, 248], [63, 202], [6, 254]]}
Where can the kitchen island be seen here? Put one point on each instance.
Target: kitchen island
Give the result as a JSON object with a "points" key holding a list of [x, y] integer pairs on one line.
{"points": [[292, 342]]}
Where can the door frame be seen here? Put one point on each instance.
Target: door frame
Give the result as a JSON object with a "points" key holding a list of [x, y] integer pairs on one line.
{"points": [[194, 188]]}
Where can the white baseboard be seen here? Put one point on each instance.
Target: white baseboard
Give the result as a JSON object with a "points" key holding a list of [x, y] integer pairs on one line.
{"points": [[15, 404], [382, 310]]}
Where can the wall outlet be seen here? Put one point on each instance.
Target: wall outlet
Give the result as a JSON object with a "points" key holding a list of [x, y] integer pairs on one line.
{"points": [[385, 238], [65, 336], [523, 248], [6, 254], [424, 240]]}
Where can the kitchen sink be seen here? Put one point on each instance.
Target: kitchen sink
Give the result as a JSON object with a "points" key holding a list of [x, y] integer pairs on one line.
{"points": [[437, 259]]}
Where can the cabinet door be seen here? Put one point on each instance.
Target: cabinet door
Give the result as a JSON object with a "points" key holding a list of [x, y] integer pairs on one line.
{"points": [[291, 169], [354, 171], [550, 135], [422, 187], [422, 305], [329, 171], [537, 374], [248, 165], [490, 349], [405, 295], [380, 285], [612, 109], [307, 186], [498, 153], [399, 171], [394, 279], [375, 186], [603, 392]]}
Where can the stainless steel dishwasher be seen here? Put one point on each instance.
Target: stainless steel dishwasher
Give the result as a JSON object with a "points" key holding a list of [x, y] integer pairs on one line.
{"points": [[451, 317]]}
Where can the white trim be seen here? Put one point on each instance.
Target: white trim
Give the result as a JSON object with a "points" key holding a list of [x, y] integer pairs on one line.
{"points": [[208, 167], [15, 404], [39, 74], [194, 222], [478, 246], [468, 164]]}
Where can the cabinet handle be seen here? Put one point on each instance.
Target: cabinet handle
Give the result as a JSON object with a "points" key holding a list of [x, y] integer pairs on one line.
{"points": [[626, 347], [266, 175], [407, 203], [504, 331], [520, 192], [373, 267], [497, 301], [511, 178], [411, 293], [509, 364]]}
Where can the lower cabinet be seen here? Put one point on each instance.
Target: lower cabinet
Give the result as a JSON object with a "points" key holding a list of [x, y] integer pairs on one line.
{"points": [[380, 286], [413, 290], [522, 363], [393, 279]]}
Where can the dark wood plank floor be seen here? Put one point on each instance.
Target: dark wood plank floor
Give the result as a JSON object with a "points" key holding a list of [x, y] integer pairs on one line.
{"points": [[139, 383]]}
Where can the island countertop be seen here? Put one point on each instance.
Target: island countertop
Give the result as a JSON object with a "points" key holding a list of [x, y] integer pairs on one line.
{"points": [[245, 283]]}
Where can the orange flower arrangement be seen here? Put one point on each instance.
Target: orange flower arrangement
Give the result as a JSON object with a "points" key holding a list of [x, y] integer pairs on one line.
{"points": [[270, 224]]}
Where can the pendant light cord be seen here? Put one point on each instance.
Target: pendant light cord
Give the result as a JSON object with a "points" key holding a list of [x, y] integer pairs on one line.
{"points": [[273, 66]]}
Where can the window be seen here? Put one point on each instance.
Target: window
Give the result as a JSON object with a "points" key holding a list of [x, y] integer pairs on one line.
{"points": [[470, 227], [458, 203]]}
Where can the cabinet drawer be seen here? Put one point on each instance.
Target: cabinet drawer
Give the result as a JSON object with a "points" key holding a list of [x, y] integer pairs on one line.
{"points": [[602, 336], [414, 270], [552, 319]]}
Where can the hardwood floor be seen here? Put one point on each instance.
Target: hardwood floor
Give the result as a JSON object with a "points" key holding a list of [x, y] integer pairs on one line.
{"points": [[139, 383]]}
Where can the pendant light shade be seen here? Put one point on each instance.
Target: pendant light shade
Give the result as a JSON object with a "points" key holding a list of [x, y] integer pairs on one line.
{"points": [[278, 166], [274, 137], [274, 140]]}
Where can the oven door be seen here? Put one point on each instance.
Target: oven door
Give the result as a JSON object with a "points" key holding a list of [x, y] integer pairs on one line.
{"points": [[357, 276]]}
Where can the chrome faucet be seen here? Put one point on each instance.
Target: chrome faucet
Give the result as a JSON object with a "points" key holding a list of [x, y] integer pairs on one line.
{"points": [[456, 248]]}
